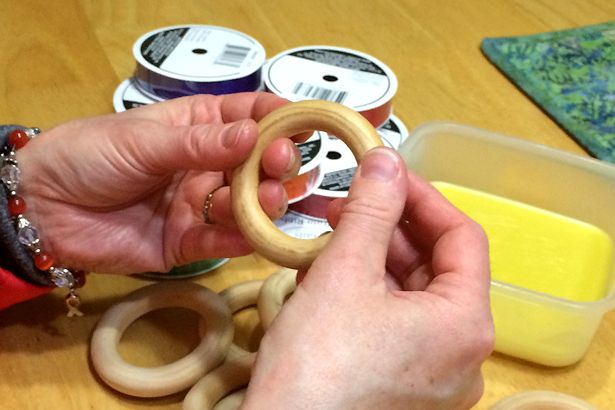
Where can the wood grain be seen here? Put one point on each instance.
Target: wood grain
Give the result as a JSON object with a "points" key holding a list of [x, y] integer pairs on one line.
{"points": [[63, 59]]}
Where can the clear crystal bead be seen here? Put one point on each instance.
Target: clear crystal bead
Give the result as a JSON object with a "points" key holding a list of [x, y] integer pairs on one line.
{"points": [[22, 222], [26, 233], [62, 278], [11, 176], [32, 132]]}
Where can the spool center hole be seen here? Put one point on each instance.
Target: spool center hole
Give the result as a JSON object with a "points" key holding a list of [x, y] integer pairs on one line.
{"points": [[333, 155], [329, 78], [199, 51]]}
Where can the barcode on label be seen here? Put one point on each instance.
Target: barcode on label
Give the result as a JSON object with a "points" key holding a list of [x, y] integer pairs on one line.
{"points": [[232, 55], [319, 93]]}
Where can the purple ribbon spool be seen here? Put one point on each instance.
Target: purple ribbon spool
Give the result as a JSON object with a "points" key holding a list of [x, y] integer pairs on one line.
{"points": [[179, 61], [163, 87]]}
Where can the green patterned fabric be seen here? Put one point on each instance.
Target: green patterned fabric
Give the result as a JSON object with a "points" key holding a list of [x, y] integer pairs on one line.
{"points": [[571, 75]]}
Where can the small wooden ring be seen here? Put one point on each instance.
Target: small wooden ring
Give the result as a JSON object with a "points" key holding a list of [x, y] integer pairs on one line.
{"points": [[232, 375], [542, 400], [232, 401], [292, 119], [242, 295], [273, 294], [170, 378], [238, 297]]}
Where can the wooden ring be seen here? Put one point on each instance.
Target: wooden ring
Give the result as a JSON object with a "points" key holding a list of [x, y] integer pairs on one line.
{"points": [[542, 400], [273, 294], [238, 297], [215, 387], [173, 377], [232, 375], [242, 295], [232, 401], [292, 119]]}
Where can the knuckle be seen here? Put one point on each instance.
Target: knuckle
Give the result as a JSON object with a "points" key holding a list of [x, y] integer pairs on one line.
{"points": [[479, 343], [205, 107], [367, 207], [475, 229], [484, 342]]}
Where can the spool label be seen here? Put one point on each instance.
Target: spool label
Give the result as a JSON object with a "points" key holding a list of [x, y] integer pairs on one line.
{"points": [[348, 77], [340, 164], [302, 226], [309, 177], [313, 151], [127, 95], [337, 180], [199, 53], [393, 133]]}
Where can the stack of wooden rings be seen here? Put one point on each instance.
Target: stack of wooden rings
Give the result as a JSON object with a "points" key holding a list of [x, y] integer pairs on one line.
{"points": [[217, 366]]}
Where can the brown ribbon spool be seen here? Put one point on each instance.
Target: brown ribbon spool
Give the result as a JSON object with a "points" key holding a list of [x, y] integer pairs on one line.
{"points": [[292, 119]]}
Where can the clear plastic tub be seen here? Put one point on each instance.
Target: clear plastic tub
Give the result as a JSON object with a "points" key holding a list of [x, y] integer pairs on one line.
{"points": [[531, 325]]}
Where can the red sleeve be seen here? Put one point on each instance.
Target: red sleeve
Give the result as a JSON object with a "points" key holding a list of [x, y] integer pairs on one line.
{"points": [[14, 290]]}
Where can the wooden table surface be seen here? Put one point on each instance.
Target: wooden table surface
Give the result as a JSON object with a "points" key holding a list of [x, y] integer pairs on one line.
{"points": [[64, 59]]}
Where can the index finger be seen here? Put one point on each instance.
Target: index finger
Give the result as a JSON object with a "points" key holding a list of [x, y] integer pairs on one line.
{"points": [[209, 109]]}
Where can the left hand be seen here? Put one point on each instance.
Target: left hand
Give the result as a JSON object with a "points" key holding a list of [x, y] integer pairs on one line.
{"points": [[124, 193]]}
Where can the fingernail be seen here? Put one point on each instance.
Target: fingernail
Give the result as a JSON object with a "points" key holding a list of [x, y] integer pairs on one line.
{"points": [[379, 164], [231, 134], [292, 161], [284, 206]]}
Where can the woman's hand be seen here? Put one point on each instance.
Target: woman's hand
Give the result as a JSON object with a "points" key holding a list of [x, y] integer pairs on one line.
{"points": [[124, 193], [391, 314]]}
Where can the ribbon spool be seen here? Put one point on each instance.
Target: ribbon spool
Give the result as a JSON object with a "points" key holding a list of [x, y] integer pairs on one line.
{"points": [[313, 151], [339, 167], [188, 270], [127, 96], [197, 59], [349, 77], [301, 225], [289, 120]]}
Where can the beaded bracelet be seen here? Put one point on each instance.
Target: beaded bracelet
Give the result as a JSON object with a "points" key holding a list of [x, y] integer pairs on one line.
{"points": [[27, 234]]}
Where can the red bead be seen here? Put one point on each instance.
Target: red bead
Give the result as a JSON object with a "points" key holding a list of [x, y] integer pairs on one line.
{"points": [[17, 205], [18, 138], [43, 261], [79, 276]]}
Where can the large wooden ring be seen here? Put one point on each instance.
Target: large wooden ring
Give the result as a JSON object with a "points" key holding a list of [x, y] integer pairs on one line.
{"points": [[292, 119], [173, 377], [232, 375], [273, 294]]}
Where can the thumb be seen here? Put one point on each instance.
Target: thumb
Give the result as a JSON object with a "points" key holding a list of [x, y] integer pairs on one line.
{"points": [[211, 147], [369, 216]]}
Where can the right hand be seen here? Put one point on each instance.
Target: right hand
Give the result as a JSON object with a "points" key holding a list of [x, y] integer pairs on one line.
{"points": [[390, 315]]}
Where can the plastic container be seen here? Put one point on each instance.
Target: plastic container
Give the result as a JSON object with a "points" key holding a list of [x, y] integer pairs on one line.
{"points": [[532, 325]]}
